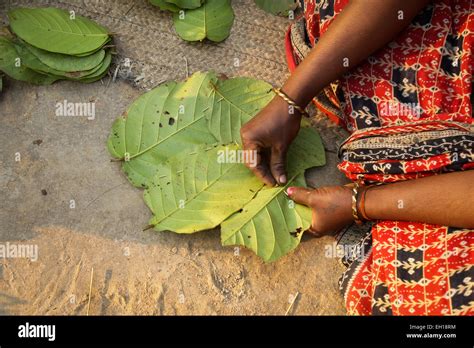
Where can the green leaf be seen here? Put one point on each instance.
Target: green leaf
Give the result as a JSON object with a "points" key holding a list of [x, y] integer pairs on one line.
{"points": [[213, 21], [306, 151], [270, 225], [187, 4], [199, 189], [159, 124], [32, 62], [53, 30], [188, 188], [277, 7], [270, 218], [164, 5], [67, 63], [106, 45], [234, 102], [100, 72], [11, 65]]}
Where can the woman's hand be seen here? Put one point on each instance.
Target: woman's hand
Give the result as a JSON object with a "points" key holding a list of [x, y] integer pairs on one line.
{"points": [[331, 206], [270, 134]]}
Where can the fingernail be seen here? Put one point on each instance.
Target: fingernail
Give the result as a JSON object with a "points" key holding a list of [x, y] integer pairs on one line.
{"points": [[290, 191], [282, 179]]}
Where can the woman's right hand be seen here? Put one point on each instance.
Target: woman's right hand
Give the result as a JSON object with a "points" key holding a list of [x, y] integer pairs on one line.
{"points": [[270, 134]]}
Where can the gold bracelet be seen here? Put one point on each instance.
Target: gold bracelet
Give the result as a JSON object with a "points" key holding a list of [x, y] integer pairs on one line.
{"points": [[290, 101], [355, 213]]}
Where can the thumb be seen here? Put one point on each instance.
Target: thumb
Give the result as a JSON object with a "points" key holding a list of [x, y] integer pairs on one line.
{"points": [[300, 195], [277, 165]]}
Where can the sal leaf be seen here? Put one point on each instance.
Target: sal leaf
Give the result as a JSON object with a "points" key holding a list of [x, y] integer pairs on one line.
{"points": [[159, 124], [199, 189], [66, 63], [11, 65], [213, 21], [234, 102], [270, 225], [57, 30]]}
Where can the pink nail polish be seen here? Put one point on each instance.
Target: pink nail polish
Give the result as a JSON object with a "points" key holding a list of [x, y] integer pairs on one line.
{"points": [[290, 190]]}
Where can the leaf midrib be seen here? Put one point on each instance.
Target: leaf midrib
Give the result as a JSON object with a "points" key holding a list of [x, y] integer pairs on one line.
{"points": [[200, 192], [264, 205], [55, 30], [159, 141], [214, 88]]}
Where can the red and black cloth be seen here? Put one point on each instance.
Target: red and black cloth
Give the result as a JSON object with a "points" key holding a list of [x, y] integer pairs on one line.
{"points": [[408, 108]]}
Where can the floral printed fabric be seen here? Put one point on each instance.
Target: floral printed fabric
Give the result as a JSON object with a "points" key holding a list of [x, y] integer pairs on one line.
{"points": [[409, 109]]}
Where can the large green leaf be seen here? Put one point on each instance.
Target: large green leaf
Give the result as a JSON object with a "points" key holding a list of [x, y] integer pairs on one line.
{"points": [[11, 65], [234, 102], [160, 124], [306, 151], [164, 5], [213, 21], [187, 4], [199, 189], [66, 63], [271, 225], [54, 30], [187, 188], [277, 7]]}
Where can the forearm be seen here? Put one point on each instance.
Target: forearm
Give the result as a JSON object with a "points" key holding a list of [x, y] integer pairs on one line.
{"points": [[363, 27], [446, 199]]}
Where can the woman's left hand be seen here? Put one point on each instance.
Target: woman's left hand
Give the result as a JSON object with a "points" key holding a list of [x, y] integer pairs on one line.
{"points": [[331, 206]]}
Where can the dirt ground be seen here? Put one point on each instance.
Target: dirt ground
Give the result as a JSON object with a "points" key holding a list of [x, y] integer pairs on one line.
{"points": [[61, 194]]}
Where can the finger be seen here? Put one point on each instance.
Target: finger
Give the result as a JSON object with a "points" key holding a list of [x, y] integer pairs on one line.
{"points": [[277, 165], [260, 166], [300, 195]]}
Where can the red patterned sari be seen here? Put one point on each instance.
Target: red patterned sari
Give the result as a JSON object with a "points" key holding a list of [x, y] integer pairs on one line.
{"points": [[409, 110]]}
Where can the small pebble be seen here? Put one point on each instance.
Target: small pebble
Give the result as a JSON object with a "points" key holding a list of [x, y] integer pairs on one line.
{"points": [[174, 250], [44, 192]]}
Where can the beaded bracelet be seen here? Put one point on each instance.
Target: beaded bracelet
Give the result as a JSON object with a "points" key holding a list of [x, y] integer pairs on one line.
{"points": [[290, 101]]}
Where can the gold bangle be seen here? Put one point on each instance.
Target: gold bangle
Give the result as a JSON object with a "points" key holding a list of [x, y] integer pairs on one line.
{"points": [[361, 203], [290, 101], [355, 213]]}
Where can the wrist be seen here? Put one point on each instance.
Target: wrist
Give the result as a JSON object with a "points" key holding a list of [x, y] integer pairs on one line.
{"points": [[293, 99], [296, 94], [345, 203], [374, 202], [284, 108]]}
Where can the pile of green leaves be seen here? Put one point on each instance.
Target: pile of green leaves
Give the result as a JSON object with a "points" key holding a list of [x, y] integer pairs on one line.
{"points": [[196, 20], [44, 45], [169, 141]]}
